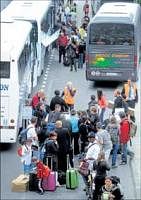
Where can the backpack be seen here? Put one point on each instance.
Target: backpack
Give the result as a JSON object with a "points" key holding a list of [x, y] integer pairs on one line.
{"points": [[114, 131], [50, 127], [23, 136], [133, 128]]}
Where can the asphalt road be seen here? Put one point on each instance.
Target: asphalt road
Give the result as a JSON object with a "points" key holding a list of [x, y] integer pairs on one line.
{"points": [[57, 76]]}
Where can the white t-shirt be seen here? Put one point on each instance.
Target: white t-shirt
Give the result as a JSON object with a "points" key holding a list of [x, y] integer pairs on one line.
{"points": [[31, 133], [92, 152], [26, 154]]}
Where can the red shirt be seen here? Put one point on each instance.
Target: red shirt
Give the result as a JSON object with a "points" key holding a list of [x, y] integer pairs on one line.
{"points": [[102, 102], [42, 170], [63, 40], [35, 101], [124, 131]]}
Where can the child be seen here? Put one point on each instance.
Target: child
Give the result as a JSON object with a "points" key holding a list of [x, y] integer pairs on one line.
{"points": [[26, 156], [42, 172]]}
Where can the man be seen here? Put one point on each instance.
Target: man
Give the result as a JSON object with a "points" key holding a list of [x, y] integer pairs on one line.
{"points": [[124, 136], [118, 102], [93, 151], [69, 93], [63, 139], [62, 44], [131, 92], [58, 100], [54, 115], [36, 99], [31, 133], [104, 140]]}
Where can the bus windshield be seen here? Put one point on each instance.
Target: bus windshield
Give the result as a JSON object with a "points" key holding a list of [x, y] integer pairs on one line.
{"points": [[111, 34], [4, 69]]}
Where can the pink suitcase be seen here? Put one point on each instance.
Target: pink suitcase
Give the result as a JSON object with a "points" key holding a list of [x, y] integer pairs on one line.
{"points": [[49, 183]]}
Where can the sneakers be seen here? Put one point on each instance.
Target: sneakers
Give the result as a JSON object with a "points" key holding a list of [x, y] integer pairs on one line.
{"points": [[114, 166], [123, 163]]}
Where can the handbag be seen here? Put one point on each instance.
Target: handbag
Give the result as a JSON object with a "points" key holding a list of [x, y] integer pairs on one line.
{"points": [[83, 168]]}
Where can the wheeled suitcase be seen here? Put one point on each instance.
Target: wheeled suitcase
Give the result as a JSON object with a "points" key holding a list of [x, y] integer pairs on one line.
{"points": [[33, 182], [49, 183], [72, 181]]}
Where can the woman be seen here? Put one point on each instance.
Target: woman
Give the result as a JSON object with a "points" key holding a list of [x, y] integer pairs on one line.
{"points": [[110, 191], [113, 129], [101, 166], [102, 104]]}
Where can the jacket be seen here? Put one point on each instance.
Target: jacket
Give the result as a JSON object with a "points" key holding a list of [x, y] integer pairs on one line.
{"points": [[124, 131], [102, 102], [35, 101], [69, 96], [58, 100], [42, 170], [126, 89]]}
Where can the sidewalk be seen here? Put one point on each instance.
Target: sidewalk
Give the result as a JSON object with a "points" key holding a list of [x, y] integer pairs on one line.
{"points": [[136, 162]]}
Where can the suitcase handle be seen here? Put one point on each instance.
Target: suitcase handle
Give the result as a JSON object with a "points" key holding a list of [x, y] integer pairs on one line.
{"points": [[51, 161]]}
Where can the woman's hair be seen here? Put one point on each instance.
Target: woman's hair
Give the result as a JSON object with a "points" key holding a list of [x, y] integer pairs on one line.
{"points": [[99, 94], [101, 156]]}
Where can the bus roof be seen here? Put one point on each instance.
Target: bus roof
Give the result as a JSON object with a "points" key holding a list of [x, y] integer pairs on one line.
{"points": [[26, 10], [13, 41], [117, 12]]}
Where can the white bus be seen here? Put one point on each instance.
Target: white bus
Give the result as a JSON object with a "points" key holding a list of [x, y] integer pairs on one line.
{"points": [[114, 42], [41, 14], [15, 74]]}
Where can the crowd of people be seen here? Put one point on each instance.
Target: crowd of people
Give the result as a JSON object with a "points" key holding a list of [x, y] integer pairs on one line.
{"points": [[72, 39], [59, 131]]}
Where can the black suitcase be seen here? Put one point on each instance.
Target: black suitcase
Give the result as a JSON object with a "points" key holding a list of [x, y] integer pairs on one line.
{"points": [[66, 61], [33, 182]]}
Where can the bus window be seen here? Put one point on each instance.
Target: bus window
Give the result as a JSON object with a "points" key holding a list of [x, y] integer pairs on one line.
{"points": [[47, 21], [4, 69], [111, 34], [23, 61]]}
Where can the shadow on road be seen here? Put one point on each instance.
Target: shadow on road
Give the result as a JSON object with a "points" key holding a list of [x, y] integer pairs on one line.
{"points": [[6, 146]]}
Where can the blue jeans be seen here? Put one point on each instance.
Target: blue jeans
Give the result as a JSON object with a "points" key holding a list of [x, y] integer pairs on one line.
{"points": [[124, 152], [114, 156], [101, 116], [80, 60]]}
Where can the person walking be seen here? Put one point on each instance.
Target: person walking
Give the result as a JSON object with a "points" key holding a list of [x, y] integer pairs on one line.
{"points": [[86, 8], [69, 93]]}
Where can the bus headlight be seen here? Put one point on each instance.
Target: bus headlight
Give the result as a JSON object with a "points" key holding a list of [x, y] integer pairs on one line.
{"points": [[12, 121], [93, 73]]}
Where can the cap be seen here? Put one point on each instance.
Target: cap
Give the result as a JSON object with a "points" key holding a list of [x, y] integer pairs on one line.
{"points": [[91, 134]]}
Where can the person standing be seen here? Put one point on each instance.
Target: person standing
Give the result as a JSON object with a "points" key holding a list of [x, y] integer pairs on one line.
{"points": [[102, 104], [81, 54], [86, 8], [69, 93], [113, 129], [118, 102], [131, 92], [104, 140], [57, 99], [72, 54], [62, 44], [63, 139], [74, 131], [124, 136], [100, 166]]}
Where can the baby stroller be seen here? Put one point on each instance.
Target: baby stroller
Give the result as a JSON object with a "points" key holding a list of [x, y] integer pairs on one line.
{"points": [[90, 186]]}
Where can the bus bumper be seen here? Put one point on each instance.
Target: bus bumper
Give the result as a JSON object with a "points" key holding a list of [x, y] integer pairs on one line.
{"points": [[115, 75]]}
